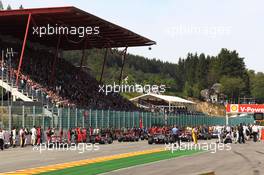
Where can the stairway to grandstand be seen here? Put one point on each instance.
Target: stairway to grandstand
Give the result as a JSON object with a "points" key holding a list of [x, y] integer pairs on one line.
{"points": [[22, 93], [14, 91]]}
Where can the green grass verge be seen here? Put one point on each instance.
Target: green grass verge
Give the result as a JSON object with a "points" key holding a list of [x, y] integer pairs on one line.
{"points": [[111, 165]]}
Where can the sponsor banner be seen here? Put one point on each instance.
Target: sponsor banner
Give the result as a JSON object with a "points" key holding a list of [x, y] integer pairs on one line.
{"points": [[245, 108]]}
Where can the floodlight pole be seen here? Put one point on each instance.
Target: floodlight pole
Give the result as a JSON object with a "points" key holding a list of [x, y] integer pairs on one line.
{"points": [[102, 72], [123, 63], [23, 48], [55, 61]]}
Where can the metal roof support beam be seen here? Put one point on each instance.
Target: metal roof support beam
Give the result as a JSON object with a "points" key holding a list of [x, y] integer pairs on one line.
{"points": [[102, 72], [23, 47], [55, 61], [123, 63]]}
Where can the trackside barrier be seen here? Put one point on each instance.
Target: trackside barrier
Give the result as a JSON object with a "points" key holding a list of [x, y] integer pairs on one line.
{"points": [[27, 116]]}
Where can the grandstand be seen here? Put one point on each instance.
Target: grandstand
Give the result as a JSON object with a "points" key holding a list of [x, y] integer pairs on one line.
{"points": [[38, 72], [42, 88]]}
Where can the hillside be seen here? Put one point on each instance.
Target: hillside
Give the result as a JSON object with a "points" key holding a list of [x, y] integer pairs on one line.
{"points": [[209, 108], [186, 78]]}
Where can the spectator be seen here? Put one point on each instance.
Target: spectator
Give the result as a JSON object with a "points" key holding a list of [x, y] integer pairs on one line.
{"points": [[2, 139]]}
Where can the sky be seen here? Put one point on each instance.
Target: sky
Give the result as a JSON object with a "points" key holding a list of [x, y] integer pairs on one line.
{"points": [[181, 26]]}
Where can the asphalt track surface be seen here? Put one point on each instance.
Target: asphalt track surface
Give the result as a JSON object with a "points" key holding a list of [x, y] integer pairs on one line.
{"points": [[13, 159], [242, 159]]}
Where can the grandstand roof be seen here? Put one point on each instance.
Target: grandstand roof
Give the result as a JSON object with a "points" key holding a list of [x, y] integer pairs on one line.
{"points": [[167, 98], [13, 22]]}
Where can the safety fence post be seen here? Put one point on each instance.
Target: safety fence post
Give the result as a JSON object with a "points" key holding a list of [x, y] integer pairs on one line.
{"points": [[60, 117], [119, 120], [124, 119], [76, 118], [52, 117], [82, 115], [108, 118], [113, 119], [150, 119], [96, 119], [34, 114], [68, 117], [142, 118], [146, 114], [23, 116], [9, 118], [133, 118], [128, 119], [90, 117], [102, 119], [43, 117]]}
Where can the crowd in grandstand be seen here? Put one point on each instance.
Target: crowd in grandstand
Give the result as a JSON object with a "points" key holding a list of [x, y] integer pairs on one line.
{"points": [[68, 86]]}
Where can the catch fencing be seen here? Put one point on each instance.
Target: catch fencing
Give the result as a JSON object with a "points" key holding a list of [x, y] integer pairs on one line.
{"points": [[65, 118]]}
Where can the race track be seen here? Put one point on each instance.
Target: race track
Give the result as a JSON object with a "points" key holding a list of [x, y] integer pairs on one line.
{"points": [[241, 159]]}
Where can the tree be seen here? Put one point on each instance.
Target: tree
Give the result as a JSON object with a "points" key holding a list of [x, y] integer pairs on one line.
{"points": [[231, 64], [196, 90], [232, 86], [202, 71], [258, 86], [21, 7], [187, 90], [9, 7]]}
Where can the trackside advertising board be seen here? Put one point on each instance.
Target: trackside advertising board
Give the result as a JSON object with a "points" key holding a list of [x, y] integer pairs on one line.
{"points": [[245, 108]]}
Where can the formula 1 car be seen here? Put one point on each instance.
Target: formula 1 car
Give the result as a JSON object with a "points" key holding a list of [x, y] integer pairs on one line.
{"points": [[186, 136], [100, 138], [159, 139], [144, 136], [214, 134], [204, 136], [128, 137]]}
